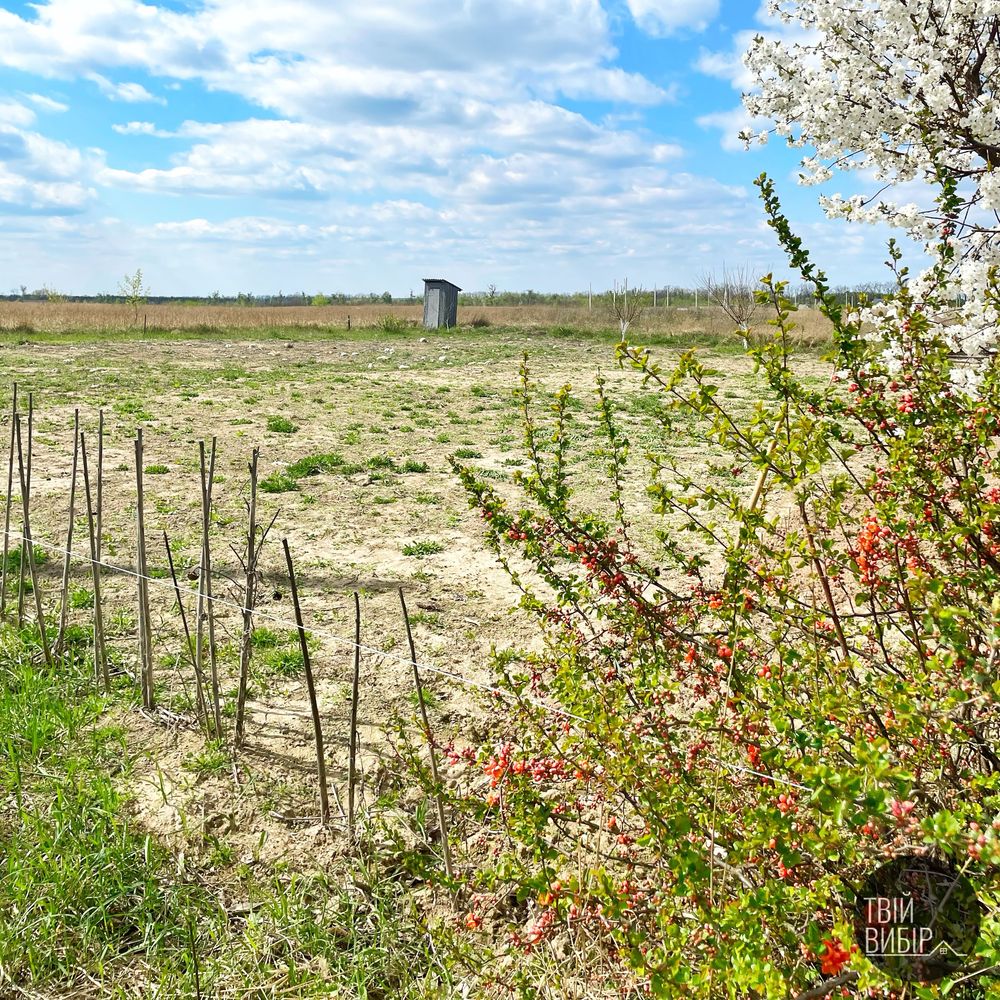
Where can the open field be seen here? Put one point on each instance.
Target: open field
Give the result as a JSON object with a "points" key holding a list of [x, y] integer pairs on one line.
{"points": [[60, 317], [355, 432]]}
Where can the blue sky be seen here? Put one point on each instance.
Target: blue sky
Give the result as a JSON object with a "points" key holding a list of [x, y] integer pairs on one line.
{"points": [[319, 145]]}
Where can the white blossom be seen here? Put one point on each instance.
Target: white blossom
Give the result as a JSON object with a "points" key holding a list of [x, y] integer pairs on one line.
{"points": [[904, 90]]}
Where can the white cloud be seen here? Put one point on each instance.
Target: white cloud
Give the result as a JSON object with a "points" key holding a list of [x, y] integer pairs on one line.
{"points": [[731, 123], [47, 103], [728, 65], [15, 113], [141, 128], [129, 93], [386, 137], [37, 174], [386, 59], [665, 17]]}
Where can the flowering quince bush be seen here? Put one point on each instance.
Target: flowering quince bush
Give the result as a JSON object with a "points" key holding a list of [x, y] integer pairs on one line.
{"points": [[905, 91], [736, 719]]}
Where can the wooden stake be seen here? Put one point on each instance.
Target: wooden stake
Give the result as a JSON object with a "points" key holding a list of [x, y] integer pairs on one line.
{"points": [[28, 546], [249, 596], [199, 682], [100, 658], [324, 799], [67, 557], [438, 794], [205, 582], [352, 767], [142, 575], [7, 506], [26, 483], [99, 524]]}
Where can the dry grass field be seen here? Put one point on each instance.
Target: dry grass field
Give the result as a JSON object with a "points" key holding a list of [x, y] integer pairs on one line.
{"points": [[60, 317], [355, 434]]}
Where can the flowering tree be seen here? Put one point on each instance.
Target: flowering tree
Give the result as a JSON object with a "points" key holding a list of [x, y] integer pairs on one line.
{"points": [[903, 91], [722, 737], [736, 717]]}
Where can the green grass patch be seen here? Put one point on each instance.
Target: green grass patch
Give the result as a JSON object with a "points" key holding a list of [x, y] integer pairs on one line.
{"points": [[281, 425], [422, 548], [313, 465], [87, 896], [278, 482]]}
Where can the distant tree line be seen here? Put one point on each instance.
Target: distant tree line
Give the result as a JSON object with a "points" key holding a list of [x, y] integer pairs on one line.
{"points": [[676, 296]]}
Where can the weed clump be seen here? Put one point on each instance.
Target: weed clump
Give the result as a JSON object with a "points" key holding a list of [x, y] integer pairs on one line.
{"points": [[422, 548], [281, 425]]}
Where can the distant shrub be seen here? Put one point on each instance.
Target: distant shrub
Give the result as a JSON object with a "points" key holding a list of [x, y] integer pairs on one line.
{"points": [[391, 324]]}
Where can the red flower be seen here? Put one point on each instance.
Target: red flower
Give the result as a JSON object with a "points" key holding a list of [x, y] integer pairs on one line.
{"points": [[834, 957]]}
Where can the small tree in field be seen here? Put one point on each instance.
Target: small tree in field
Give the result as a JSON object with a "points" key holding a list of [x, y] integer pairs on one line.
{"points": [[133, 290], [626, 306], [735, 293]]}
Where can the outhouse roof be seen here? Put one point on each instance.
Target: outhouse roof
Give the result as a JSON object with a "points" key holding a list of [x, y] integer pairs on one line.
{"points": [[441, 281]]}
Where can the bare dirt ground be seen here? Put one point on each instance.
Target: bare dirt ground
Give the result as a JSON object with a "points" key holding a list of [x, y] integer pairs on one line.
{"points": [[394, 410]]}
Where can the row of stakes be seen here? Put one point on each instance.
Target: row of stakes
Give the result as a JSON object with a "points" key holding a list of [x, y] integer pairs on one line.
{"points": [[207, 695]]}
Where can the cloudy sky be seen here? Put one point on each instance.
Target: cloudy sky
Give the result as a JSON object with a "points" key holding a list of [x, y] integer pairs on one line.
{"points": [[338, 145]]}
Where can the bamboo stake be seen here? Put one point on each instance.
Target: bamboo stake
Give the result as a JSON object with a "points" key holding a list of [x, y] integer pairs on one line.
{"points": [[7, 506], [28, 546], [438, 795], [324, 800], [205, 583], [142, 567], [249, 595], [26, 483], [64, 604], [352, 767], [100, 658]]}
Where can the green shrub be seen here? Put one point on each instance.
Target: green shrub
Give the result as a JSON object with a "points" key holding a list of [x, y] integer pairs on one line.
{"points": [[739, 717], [391, 324]]}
